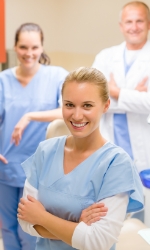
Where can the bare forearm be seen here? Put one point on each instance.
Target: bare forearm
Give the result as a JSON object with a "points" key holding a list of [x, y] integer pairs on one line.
{"points": [[45, 116], [44, 232], [62, 229]]}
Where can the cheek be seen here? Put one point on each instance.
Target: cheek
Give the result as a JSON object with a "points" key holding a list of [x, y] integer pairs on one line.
{"points": [[19, 54], [66, 113]]}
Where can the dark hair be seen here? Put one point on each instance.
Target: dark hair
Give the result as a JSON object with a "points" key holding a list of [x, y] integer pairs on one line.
{"points": [[44, 59]]}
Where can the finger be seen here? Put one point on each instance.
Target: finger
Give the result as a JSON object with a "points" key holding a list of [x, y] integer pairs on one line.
{"points": [[93, 220], [20, 216], [94, 215], [111, 76], [23, 201], [94, 211], [143, 81], [17, 138], [30, 198], [19, 210], [103, 214], [20, 205], [95, 205], [3, 159]]}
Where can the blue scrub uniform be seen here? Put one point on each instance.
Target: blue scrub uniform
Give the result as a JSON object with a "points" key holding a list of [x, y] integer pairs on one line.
{"points": [[107, 172], [42, 93]]}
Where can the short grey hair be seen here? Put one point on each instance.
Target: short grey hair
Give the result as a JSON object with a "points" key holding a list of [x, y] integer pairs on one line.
{"points": [[136, 4]]}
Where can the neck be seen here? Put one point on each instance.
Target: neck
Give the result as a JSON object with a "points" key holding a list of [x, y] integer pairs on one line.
{"points": [[135, 46], [22, 71], [89, 143]]}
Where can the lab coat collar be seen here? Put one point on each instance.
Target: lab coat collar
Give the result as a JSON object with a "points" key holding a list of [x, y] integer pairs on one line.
{"points": [[143, 56]]}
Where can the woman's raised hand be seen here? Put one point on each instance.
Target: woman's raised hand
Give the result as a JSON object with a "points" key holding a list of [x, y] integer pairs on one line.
{"points": [[19, 129], [93, 213], [3, 159]]}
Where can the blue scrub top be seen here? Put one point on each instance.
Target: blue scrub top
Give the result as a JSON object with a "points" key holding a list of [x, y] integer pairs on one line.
{"points": [[42, 93], [107, 172]]}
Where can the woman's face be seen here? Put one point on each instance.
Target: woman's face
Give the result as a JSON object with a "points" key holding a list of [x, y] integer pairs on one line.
{"points": [[82, 108], [29, 49]]}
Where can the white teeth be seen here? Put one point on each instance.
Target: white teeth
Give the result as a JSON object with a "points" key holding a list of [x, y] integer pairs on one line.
{"points": [[79, 125]]}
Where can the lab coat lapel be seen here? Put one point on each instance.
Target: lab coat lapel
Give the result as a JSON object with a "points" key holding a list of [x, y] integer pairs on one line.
{"points": [[136, 72], [118, 66]]}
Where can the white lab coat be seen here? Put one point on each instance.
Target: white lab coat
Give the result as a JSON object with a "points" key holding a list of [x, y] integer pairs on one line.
{"points": [[135, 104]]}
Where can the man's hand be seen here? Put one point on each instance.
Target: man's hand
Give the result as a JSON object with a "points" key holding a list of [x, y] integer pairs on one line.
{"points": [[3, 159], [113, 88], [141, 87]]}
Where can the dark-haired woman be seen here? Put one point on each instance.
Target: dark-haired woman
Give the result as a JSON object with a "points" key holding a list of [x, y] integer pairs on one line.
{"points": [[31, 86]]}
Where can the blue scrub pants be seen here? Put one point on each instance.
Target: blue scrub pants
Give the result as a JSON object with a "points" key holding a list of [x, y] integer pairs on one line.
{"points": [[13, 236]]}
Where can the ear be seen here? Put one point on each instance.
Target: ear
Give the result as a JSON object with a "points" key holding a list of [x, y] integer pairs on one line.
{"points": [[42, 50], [149, 25], [106, 107], [120, 26]]}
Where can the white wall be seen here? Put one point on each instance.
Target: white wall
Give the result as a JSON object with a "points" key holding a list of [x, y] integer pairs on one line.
{"points": [[75, 30]]}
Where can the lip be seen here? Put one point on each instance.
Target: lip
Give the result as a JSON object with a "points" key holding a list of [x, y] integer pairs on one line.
{"points": [[78, 128]]}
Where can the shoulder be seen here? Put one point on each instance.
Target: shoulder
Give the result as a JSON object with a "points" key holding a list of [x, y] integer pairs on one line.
{"points": [[113, 151], [54, 70], [38, 163], [5, 74], [51, 144], [113, 161], [119, 159], [110, 52]]}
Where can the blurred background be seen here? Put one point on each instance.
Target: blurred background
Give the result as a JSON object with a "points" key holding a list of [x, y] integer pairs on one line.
{"points": [[75, 30]]}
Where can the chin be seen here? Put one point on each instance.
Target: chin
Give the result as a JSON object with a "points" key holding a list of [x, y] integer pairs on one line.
{"points": [[29, 65]]}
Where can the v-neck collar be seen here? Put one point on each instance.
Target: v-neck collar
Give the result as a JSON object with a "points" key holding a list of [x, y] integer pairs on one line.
{"points": [[30, 82], [81, 163]]}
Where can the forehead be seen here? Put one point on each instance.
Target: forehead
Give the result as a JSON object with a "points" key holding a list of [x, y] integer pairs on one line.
{"points": [[29, 37], [130, 12], [83, 91]]}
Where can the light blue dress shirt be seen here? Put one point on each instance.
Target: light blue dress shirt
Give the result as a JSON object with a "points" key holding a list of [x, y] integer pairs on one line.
{"points": [[121, 132], [42, 93], [107, 172]]}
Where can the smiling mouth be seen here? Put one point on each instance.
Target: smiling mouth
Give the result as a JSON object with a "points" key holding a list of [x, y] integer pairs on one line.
{"points": [[79, 125]]}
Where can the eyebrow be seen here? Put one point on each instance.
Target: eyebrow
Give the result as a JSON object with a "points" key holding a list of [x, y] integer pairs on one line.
{"points": [[83, 102]]}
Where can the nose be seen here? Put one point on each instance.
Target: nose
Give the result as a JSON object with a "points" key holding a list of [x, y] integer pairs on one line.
{"points": [[134, 26], [77, 114], [28, 52]]}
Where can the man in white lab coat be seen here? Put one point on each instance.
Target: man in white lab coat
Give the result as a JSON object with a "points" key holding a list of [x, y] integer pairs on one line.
{"points": [[127, 68]]}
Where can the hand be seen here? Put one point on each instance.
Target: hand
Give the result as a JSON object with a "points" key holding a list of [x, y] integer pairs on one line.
{"points": [[30, 210], [3, 159], [113, 88], [141, 87], [19, 129], [93, 213]]}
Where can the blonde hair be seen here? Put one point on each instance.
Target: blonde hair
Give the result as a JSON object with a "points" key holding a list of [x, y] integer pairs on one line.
{"points": [[92, 76], [136, 4]]}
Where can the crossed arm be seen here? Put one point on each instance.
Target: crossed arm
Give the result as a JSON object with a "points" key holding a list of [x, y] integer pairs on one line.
{"points": [[101, 234]]}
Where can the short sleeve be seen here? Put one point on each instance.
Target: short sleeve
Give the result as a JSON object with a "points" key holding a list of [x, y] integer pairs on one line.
{"points": [[122, 176], [32, 167]]}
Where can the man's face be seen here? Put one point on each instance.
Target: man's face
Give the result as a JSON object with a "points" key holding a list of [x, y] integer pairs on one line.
{"points": [[135, 25]]}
